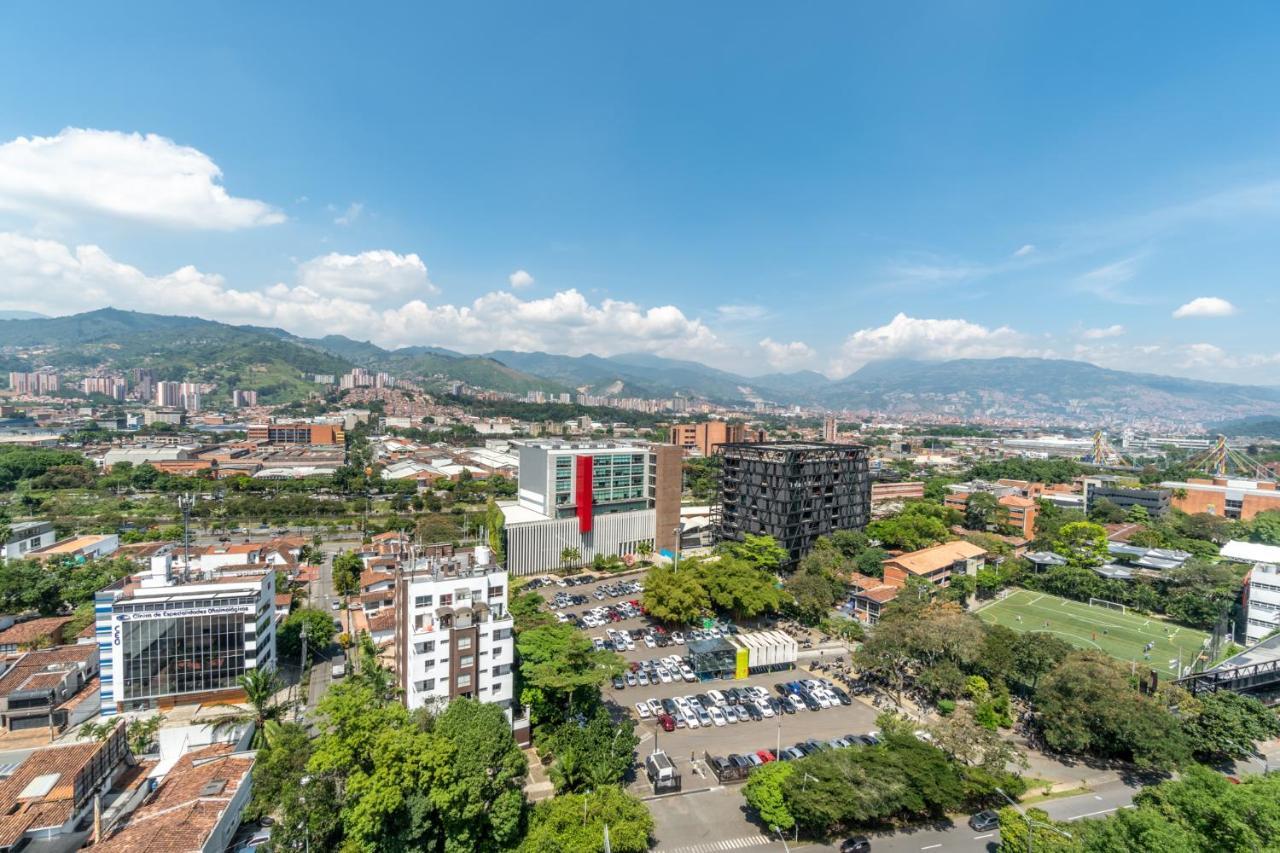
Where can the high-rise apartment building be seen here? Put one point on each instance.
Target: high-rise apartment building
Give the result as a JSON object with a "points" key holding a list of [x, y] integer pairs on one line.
{"points": [[705, 438], [244, 399], [829, 429], [592, 497], [792, 491], [107, 386], [296, 433], [34, 384], [453, 633]]}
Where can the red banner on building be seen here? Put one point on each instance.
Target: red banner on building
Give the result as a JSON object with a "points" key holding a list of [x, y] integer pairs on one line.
{"points": [[583, 487]]}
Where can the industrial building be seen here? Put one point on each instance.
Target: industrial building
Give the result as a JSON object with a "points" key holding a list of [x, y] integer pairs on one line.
{"points": [[595, 497], [1155, 501], [1225, 497], [792, 491]]}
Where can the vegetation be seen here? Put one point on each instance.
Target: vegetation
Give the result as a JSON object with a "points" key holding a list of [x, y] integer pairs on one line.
{"points": [[57, 586], [263, 713], [575, 823], [320, 633], [921, 524], [702, 478]]}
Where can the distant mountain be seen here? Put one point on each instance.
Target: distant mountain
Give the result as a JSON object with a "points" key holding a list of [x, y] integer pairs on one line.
{"points": [[22, 315], [278, 364], [1257, 426]]}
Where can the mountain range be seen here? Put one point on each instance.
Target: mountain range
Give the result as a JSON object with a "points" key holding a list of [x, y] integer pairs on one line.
{"points": [[278, 364]]}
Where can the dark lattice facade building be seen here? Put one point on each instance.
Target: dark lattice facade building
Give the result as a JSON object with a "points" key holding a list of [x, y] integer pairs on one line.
{"points": [[792, 491]]}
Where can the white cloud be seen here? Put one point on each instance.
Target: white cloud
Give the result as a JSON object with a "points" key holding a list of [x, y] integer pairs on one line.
{"points": [[1104, 282], [127, 175], [350, 215], [1107, 332], [912, 337], [1205, 306], [330, 296], [1024, 250], [787, 356], [520, 279], [739, 313], [380, 276]]}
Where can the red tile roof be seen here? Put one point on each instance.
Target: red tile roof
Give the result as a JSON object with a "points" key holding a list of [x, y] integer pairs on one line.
{"points": [[32, 630]]}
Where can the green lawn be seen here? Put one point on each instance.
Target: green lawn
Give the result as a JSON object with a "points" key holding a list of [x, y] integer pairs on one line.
{"points": [[1121, 635]]}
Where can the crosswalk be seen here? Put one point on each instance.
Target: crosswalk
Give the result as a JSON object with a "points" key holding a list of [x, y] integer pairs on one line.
{"points": [[717, 846]]}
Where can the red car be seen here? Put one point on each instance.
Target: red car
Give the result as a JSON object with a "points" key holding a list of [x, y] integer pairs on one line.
{"points": [[765, 755], [667, 722]]}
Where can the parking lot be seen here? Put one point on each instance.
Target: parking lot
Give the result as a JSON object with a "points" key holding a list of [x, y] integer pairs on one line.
{"points": [[683, 743]]}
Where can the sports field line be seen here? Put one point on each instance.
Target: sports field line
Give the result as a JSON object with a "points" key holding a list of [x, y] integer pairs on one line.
{"points": [[1078, 615], [1081, 617]]}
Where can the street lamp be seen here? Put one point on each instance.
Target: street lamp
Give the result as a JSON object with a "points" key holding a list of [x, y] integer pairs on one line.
{"points": [[781, 838], [1032, 823]]}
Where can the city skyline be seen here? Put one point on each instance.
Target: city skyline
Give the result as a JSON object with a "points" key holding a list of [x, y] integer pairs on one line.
{"points": [[754, 191]]}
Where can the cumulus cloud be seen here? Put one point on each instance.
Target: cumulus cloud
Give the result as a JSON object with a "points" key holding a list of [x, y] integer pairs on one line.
{"points": [[1024, 250], [350, 215], [126, 175], [1106, 332], [331, 295], [912, 337], [380, 277], [1205, 306], [787, 356], [520, 279]]}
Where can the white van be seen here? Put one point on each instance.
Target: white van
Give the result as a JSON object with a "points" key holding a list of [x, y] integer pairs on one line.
{"points": [[338, 669]]}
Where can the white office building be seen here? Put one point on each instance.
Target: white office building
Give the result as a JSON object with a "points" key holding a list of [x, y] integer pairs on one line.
{"points": [[25, 537], [453, 633], [1262, 602], [166, 639], [592, 497]]}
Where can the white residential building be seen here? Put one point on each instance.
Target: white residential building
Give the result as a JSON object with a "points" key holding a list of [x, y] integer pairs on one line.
{"points": [[453, 633], [1262, 602], [27, 536]]}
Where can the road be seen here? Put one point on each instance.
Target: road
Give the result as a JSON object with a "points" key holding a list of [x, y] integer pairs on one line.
{"points": [[714, 821]]}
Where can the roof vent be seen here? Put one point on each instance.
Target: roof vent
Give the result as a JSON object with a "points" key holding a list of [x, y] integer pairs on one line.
{"points": [[213, 788]]}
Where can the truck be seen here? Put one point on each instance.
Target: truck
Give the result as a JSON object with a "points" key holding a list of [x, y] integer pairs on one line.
{"points": [[661, 772]]}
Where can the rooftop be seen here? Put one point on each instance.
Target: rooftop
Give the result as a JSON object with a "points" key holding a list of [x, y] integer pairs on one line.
{"points": [[32, 630], [938, 557]]}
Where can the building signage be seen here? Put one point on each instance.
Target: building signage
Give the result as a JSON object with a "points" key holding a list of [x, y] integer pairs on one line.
{"points": [[182, 614]]}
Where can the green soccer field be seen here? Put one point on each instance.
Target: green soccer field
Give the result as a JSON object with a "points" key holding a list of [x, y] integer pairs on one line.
{"points": [[1123, 635]]}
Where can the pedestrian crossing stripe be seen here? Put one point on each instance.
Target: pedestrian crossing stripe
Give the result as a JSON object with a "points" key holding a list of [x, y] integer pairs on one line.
{"points": [[717, 846]]}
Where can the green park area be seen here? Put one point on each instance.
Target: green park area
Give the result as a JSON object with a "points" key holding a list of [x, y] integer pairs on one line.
{"points": [[1122, 634]]}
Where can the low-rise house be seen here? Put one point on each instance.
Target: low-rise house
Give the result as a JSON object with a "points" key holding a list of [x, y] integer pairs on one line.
{"points": [[36, 692], [196, 808], [32, 634], [88, 547], [936, 564]]}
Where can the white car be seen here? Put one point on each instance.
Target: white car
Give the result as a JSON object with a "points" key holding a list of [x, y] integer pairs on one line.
{"points": [[690, 719], [761, 694], [717, 717], [642, 677], [794, 701], [716, 696], [598, 643], [630, 643], [643, 710], [648, 641], [687, 674], [677, 638], [766, 710], [664, 675], [656, 707], [822, 698]]}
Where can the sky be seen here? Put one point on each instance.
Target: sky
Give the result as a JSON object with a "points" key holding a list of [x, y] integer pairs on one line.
{"points": [[760, 187]]}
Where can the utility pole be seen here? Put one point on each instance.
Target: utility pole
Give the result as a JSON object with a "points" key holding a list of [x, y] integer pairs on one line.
{"points": [[185, 504], [302, 668]]}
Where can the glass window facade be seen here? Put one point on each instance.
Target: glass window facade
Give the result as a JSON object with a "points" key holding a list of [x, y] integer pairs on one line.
{"points": [[182, 655]]}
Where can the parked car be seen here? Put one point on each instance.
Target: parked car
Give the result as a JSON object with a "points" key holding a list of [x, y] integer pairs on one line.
{"points": [[984, 820], [717, 716], [856, 844], [643, 710], [655, 707], [667, 722], [765, 756]]}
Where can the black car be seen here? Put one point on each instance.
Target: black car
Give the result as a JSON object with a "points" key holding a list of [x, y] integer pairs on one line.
{"points": [[782, 689], [741, 763], [806, 748], [752, 711], [856, 844], [984, 820], [842, 696], [669, 706], [705, 701], [782, 707], [809, 702]]}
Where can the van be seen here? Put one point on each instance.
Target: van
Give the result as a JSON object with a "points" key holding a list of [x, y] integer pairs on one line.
{"points": [[338, 670]]}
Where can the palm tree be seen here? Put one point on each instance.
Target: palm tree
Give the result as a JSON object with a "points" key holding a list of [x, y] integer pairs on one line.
{"points": [[570, 557], [644, 549], [264, 712]]}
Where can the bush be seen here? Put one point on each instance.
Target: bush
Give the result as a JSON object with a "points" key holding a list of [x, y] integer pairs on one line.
{"points": [[946, 707]]}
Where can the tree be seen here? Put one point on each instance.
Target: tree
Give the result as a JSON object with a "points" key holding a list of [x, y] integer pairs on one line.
{"points": [[560, 667], [1087, 705], [764, 793], [982, 511], [675, 597], [575, 823], [1035, 654], [909, 531], [320, 633], [591, 753], [762, 552], [1265, 527], [140, 732], [264, 713], [570, 557], [1017, 836], [347, 567], [279, 768], [1229, 725], [738, 587], [1083, 544], [490, 771], [966, 741]]}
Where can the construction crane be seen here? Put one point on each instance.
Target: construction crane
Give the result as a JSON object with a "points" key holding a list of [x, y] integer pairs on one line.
{"points": [[1223, 460], [1102, 453]]}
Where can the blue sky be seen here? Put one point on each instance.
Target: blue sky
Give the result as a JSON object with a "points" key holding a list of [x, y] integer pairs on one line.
{"points": [[756, 186]]}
